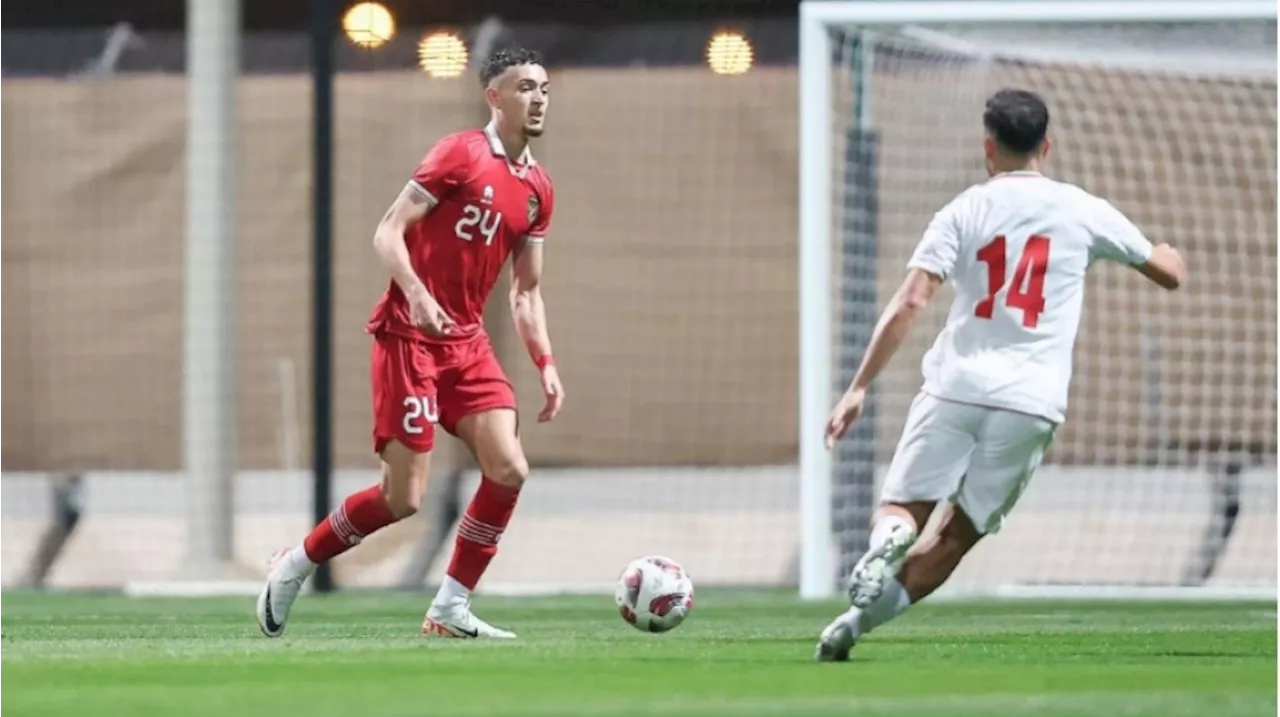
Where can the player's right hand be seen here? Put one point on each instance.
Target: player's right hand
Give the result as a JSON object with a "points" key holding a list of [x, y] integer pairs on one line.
{"points": [[844, 414], [426, 314]]}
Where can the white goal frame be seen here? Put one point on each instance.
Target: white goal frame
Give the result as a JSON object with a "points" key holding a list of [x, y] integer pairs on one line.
{"points": [[817, 552]]}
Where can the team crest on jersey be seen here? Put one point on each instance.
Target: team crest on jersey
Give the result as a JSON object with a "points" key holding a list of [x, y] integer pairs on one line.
{"points": [[533, 207], [487, 195]]}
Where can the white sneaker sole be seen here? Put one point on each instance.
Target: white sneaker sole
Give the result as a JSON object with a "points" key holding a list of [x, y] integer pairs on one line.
{"points": [[262, 615], [263, 622], [432, 627], [869, 575]]}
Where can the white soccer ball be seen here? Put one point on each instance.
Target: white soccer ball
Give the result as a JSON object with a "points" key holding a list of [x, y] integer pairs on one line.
{"points": [[654, 594]]}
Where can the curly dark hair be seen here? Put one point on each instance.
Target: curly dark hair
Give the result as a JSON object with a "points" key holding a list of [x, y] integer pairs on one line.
{"points": [[1018, 120], [499, 61]]}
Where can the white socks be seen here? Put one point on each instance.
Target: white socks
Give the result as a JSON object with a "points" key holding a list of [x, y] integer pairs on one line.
{"points": [[451, 591], [892, 602], [295, 563]]}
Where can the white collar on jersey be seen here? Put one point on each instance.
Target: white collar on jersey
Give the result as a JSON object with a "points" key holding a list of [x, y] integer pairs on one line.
{"points": [[495, 145]]}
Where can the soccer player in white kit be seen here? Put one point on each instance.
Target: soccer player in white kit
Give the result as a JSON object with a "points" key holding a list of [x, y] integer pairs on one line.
{"points": [[1016, 249]]}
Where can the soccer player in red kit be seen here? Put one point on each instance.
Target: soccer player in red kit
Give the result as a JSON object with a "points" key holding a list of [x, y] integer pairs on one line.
{"points": [[477, 198]]}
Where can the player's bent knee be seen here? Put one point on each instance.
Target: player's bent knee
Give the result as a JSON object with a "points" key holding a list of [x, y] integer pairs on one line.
{"points": [[510, 472], [404, 479], [402, 505]]}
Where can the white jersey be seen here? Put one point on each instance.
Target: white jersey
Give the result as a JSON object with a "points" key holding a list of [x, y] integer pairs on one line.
{"points": [[1016, 248]]}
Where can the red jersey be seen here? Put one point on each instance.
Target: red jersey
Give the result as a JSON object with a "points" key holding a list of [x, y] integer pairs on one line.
{"points": [[486, 205]]}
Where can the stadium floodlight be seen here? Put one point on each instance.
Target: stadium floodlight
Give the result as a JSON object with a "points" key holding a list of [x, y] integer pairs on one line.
{"points": [[369, 24], [1166, 109], [442, 55], [729, 53]]}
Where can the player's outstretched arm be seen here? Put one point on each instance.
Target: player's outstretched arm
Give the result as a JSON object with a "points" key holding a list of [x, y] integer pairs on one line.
{"points": [[389, 243], [529, 313], [1118, 239], [899, 316], [894, 325], [1165, 267]]}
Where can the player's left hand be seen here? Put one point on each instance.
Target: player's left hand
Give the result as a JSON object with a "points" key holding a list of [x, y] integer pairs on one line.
{"points": [[844, 414], [554, 392]]}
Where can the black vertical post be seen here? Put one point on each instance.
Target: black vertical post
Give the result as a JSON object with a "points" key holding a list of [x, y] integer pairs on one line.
{"points": [[323, 19], [853, 488]]}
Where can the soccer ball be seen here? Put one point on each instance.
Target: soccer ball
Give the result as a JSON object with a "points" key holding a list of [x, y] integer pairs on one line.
{"points": [[654, 594]]}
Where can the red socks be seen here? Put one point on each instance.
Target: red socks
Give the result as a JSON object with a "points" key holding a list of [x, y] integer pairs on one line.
{"points": [[479, 531], [359, 515], [365, 512]]}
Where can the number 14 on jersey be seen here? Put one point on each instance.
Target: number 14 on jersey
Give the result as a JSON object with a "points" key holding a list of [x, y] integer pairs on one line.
{"points": [[1027, 291]]}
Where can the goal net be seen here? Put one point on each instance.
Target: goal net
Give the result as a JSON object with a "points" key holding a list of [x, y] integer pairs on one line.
{"points": [[1164, 474]]}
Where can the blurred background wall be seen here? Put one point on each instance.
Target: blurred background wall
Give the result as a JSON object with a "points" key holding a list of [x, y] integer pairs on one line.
{"points": [[672, 280]]}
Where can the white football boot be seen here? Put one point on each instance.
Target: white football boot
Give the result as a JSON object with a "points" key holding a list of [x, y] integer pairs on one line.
{"points": [[839, 637], [455, 619], [284, 583], [869, 575]]}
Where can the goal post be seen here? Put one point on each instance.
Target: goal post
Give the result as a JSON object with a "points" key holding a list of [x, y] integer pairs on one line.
{"points": [[1162, 110]]}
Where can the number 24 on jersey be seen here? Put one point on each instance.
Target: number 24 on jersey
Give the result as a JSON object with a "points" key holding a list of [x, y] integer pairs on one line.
{"points": [[1027, 291], [473, 218]]}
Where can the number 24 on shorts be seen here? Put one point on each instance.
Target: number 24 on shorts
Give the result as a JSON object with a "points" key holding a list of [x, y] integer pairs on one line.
{"points": [[420, 407], [1027, 292]]}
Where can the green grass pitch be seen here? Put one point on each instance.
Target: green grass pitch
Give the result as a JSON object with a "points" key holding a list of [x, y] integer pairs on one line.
{"points": [[740, 653]]}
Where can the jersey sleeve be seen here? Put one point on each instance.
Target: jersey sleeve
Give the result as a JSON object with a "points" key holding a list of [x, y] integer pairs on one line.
{"points": [[542, 222], [1117, 239], [443, 170], [940, 246]]}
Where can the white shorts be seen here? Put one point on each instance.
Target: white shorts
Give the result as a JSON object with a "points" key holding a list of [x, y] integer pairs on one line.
{"points": [[978, 458]]}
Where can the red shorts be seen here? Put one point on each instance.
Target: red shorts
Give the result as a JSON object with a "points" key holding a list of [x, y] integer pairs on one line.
{"points": [[417, 385]]}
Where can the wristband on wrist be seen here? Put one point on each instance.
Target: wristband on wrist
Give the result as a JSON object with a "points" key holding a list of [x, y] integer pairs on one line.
{"points": [[544, 361]]}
